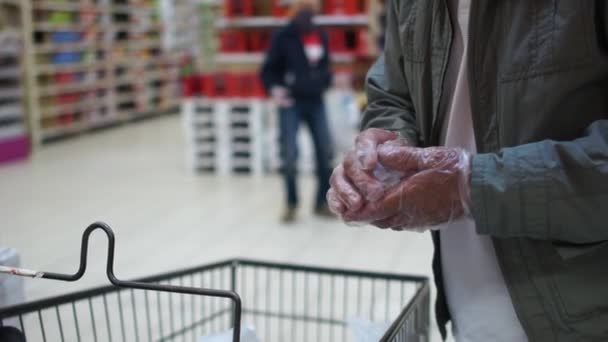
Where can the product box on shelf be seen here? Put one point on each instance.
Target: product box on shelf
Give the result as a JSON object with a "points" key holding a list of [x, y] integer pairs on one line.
{"points": [[233, 41], [239, 8], [259, 41], [223, 85], [343, 7]]}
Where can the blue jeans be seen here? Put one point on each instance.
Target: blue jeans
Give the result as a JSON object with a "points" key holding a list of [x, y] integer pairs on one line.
{"points": [[312, 113]]}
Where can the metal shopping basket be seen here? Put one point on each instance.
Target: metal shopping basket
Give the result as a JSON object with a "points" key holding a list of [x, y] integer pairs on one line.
{"points": [[283, 302]]}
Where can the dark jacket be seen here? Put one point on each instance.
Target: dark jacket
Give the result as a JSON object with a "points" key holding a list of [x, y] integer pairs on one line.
{"points": [[286, 65], [538, 78]]}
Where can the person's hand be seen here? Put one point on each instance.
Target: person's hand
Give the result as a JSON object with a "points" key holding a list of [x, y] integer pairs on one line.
{"points": [[280, 97], [353, 182], [437, 192]]}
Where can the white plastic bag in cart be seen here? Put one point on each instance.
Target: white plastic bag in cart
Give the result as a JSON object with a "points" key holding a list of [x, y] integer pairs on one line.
{"points": [[247, 335], [364, 330]]}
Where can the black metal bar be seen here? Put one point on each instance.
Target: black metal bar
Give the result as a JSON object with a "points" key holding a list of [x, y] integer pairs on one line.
{"points": [[171, 317], [204, 307], [233, 281], [332, 298], [281, 302], [319, 304], [183, 307], [148, 319], [267, 285], [77, 326], [293, 305], [160, 313], [122, 317], [21, 325], [221, 286], [60, 324], [75, 296], [213, 301], [93, 320], [41, 326], [135, 321], [108, 323], [136, 284], [192, 309], [373, 304], [306, 305], [420, 298], [256, 294], [388, 296]]}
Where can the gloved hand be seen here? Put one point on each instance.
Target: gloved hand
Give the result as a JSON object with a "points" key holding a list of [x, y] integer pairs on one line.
{"points": [[280, 97], [353, 181], [437, 192]]}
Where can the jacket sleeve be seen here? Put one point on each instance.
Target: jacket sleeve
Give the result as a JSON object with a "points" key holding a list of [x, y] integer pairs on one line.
{"points": [[389, 103], [325, 62], [273, 68], [546, 190]]}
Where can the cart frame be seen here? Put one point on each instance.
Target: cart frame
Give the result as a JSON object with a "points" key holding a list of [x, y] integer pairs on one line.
{"points": [[399, 330]]}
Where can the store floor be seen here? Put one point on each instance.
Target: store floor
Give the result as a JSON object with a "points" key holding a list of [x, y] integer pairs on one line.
{"points": [[165, 217]]}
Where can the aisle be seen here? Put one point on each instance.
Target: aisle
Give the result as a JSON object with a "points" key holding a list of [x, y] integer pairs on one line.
{"points": [[165, 217]]}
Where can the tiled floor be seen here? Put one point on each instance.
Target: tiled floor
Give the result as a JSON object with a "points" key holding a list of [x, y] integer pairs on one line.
{"points": [[165, 217]]}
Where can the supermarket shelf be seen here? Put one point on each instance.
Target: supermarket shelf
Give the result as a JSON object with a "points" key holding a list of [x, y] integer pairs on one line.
{"points": [[269, 21], [75, 67], [11, 131], [50, 133], [11, 111], [258, 58], [68, 47], [50, 27], [9, 73], [135, 28], [133, 46], [66, 7], [7, 94], [11, 2], [68, 108], [72, 87]]}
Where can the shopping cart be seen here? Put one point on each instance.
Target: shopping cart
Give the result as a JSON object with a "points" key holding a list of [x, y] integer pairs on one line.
{"points": [[282, 302]]}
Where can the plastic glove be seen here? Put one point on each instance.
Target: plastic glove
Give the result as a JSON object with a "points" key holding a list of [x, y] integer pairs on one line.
{"points": [[438, 191], [353, 182], [280, 96]]}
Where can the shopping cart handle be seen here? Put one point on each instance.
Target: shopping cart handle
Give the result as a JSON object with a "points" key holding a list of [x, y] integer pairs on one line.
{"points": [[129, 284]]}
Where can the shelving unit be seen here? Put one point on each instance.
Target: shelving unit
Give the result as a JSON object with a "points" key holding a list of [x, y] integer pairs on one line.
{"points": [[101, 62], [225, 136], [14, 141]]}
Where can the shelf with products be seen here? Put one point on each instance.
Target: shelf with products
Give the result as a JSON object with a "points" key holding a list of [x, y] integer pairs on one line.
{"points": [[70, 47], [65, 6], [273, 22], [54, 110], [76, 87], [81, 55]]}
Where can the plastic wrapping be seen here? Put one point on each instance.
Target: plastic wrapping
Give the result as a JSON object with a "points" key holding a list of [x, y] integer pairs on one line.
{"points": [[413, 188]]}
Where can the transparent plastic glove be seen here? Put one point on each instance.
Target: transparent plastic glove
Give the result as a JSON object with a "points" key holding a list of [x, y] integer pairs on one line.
{"points": [[280, 96], [436, 193], [353, 182]]}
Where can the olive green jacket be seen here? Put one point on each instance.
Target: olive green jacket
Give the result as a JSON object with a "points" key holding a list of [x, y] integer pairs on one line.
{"points": [[538, 76]]}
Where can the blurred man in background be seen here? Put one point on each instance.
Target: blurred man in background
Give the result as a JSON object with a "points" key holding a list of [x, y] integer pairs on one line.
{"points": [[296, 72], [514, 92]]}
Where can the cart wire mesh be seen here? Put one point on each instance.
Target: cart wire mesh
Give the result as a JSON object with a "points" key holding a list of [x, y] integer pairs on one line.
{"points": [[283, 302]]}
